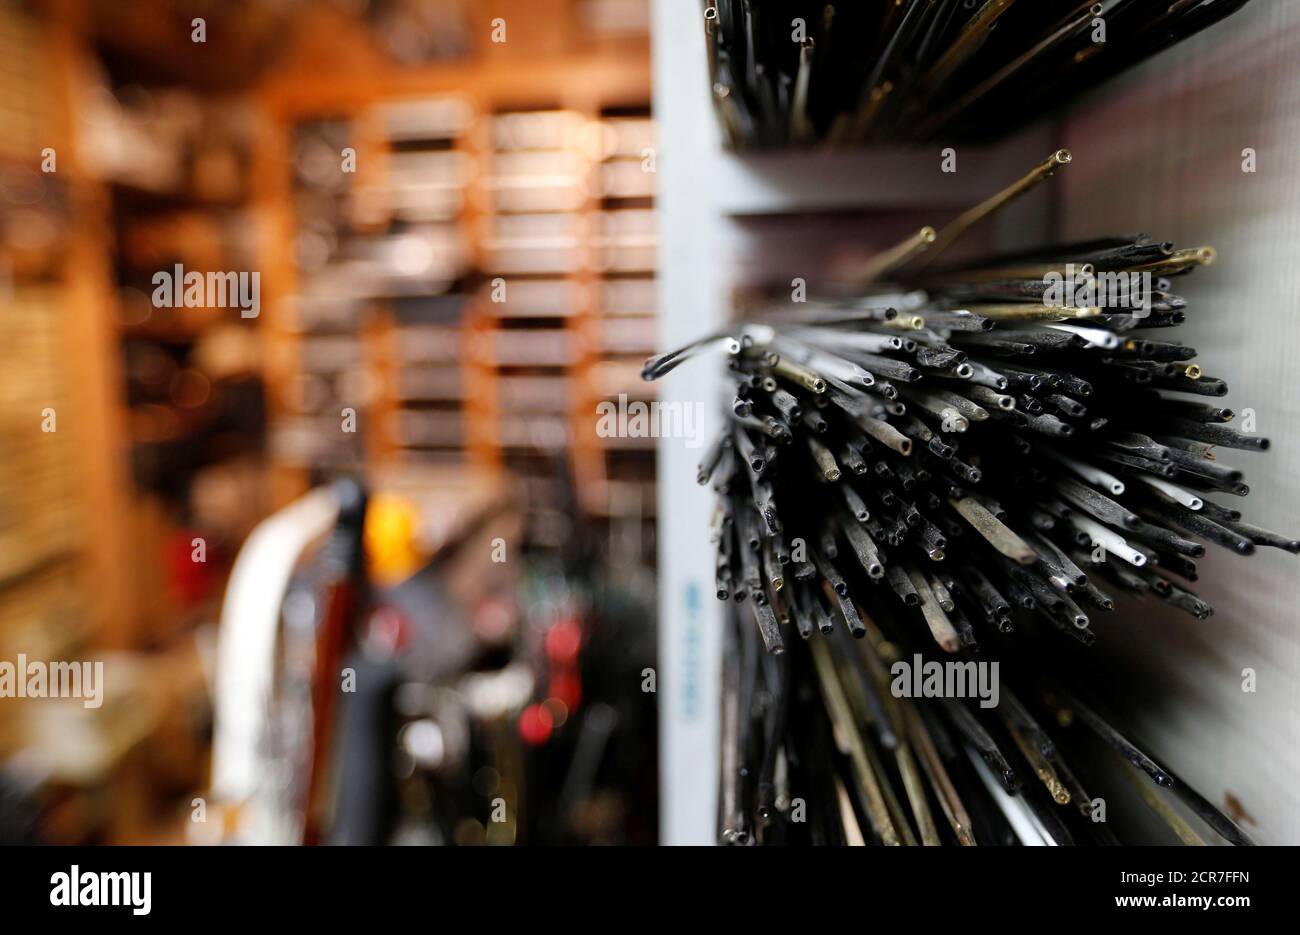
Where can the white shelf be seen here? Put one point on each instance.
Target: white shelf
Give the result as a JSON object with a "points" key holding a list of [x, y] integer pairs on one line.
{"points": [[878, 178]]}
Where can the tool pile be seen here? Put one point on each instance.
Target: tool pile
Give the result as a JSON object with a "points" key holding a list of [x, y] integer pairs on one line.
{"points": [[968, 463], [806, 71]]}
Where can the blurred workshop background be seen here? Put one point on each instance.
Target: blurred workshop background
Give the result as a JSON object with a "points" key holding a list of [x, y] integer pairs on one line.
{"points": [[450, 206]]}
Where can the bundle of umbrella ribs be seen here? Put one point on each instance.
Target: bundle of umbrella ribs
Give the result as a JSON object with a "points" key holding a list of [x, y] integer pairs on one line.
{"points": [[944, 466]]}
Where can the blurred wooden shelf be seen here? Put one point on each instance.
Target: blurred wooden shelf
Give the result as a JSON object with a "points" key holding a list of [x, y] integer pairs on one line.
{"points": [[538, 159]]}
